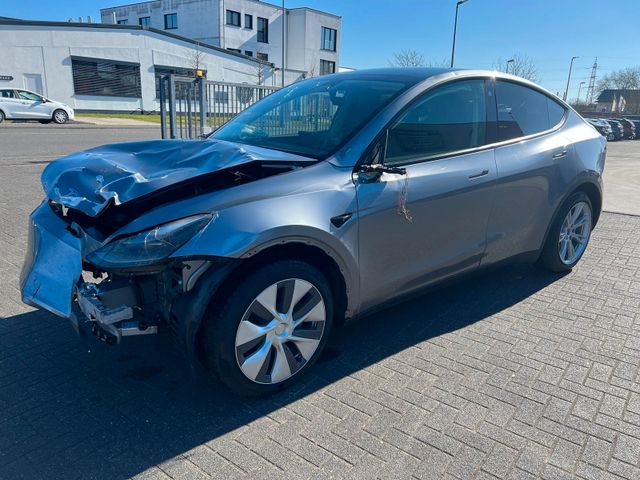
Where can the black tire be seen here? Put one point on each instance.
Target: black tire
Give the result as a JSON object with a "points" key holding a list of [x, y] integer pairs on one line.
{"points": [[550, 257], [60, 117], [1, 116], [218, 334]]}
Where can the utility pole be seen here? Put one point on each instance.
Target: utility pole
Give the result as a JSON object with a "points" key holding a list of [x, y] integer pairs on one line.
{"points": [[592, 82], [284, 23], [455, 28], [566, 90], [579, 90]]}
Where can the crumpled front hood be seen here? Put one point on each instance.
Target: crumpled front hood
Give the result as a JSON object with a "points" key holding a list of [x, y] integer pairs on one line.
{"points": [[89, 181]]}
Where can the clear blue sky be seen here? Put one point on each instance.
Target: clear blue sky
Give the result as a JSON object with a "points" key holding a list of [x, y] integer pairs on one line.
{"points": [[549, 31]]}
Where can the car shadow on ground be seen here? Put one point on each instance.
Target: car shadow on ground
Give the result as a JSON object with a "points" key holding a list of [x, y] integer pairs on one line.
{"points": [[71, 409]]}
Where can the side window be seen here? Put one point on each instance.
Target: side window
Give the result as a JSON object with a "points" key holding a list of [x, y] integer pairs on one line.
{"points": [[556, 112], [523, 111], [7, 94], [450, 118], [29, 96]]}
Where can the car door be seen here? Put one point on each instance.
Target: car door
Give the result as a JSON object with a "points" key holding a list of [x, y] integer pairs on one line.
{"points": [[532, 170], [430, 222], [33, 105], [9, 103]]}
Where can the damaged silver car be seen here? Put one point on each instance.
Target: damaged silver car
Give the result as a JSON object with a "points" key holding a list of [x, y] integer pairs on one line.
{"points": [[319, 203]]}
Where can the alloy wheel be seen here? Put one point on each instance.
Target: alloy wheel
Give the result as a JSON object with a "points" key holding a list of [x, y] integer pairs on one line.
{"points": [[60, 117], [574, 233], [280, 331]]}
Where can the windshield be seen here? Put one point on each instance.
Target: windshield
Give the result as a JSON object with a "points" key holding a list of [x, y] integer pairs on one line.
{"points": [[311, 118]]}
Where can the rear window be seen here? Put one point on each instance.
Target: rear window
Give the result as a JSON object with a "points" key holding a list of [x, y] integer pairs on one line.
{"points": [[7, 94], [523, 111]]}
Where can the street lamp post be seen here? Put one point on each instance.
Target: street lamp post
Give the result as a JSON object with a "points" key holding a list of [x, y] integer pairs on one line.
{"points": [[284, 23], [579, 90], [455, 27], [566, 90], [510, 62]]}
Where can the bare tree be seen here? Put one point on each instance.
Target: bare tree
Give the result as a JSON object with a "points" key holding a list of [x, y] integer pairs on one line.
{"points": [[261, 67], [520, 66], [195, 59], [407, 58], [625, 79]]}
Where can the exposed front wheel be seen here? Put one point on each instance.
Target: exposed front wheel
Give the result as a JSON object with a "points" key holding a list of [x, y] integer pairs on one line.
{"points": [[569, 234], [270, 330], [60, 117]]}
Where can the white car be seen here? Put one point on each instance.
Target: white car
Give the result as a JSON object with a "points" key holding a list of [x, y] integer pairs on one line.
{"points": [[18, 104]]}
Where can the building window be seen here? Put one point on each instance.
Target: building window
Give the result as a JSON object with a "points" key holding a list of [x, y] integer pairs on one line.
{"points": [[144, 21], [220, 96], [161, 71], [248, 53], [170, 21], [329, 36], [233, 18], [123, 22], [262, 56], [327, 67], [236, 50], [105, 78], [263, 30], [248, 21]]}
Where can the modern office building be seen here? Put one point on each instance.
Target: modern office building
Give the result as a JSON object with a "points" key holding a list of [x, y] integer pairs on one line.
{"points": [[303, 40], [105, 67]]}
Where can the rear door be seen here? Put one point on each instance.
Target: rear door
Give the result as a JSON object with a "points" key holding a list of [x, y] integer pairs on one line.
{"points": [[9, 103], [430, 223], [532, 170]]}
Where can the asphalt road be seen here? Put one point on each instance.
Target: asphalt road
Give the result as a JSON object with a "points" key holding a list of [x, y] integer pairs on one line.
{"points": [[510, 374]]}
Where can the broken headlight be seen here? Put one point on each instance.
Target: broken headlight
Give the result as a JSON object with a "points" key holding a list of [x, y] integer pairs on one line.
{"points": [[150, 246]]}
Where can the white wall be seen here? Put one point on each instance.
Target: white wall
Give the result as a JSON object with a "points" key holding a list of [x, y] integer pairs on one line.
{"points": [[47, 51]]}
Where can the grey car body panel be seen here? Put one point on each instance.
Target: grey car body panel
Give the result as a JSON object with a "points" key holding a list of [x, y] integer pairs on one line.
{"points": [[458, 223]]}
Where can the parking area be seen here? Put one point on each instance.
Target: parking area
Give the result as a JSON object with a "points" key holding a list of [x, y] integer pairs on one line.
{"points": [[512, 374]]}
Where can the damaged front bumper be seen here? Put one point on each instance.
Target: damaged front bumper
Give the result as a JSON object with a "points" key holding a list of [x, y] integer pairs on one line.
{"points": [[111, 305]]}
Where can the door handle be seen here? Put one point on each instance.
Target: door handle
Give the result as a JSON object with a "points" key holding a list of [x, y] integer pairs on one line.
{"points": [[479, 174], [560, 154]]}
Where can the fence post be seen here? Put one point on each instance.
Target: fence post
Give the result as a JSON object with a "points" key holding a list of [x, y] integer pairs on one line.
{"points": [[172, 107], [163, 107], [203, 105]]}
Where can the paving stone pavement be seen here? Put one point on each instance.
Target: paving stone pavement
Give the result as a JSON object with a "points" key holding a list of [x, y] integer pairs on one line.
{"points": [[511, 374]]}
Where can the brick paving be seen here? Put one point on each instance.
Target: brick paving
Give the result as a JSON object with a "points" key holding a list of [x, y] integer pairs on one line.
{"points": [[511, 374]]}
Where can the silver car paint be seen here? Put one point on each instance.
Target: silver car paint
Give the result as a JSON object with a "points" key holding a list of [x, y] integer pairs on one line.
{"points": [[381, 254], [22, 109]]}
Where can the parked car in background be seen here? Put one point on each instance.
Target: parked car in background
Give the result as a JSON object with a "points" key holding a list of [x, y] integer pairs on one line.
{"points": [[617, 128], [636, 122], [249, 245], [629, 128], [602, 127], [18, 104]]}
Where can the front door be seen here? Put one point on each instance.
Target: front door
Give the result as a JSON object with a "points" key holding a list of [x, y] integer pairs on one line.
{"points": [[33, 106], [430, 222]]}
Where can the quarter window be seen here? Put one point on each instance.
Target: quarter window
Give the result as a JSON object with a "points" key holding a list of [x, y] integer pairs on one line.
{"points": [[523, 111], [233, 18], [170, 21], [7, 94], [450, 118], [263, 30]]}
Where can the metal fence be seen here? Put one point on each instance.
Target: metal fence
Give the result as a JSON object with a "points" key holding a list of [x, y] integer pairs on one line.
{"points": [[190, 108]]}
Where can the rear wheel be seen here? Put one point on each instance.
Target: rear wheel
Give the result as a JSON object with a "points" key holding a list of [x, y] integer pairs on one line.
{"points": [[569, 234], [60, 117], [1, 116], [270, 330], [611, 137]]}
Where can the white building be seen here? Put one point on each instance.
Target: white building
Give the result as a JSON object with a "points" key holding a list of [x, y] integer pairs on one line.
{"points": [[252, 27], [104, 67]]}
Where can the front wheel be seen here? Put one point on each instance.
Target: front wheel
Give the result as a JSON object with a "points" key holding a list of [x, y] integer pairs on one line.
{"points": [[270, 330], [569, 234], [60, 117]]}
